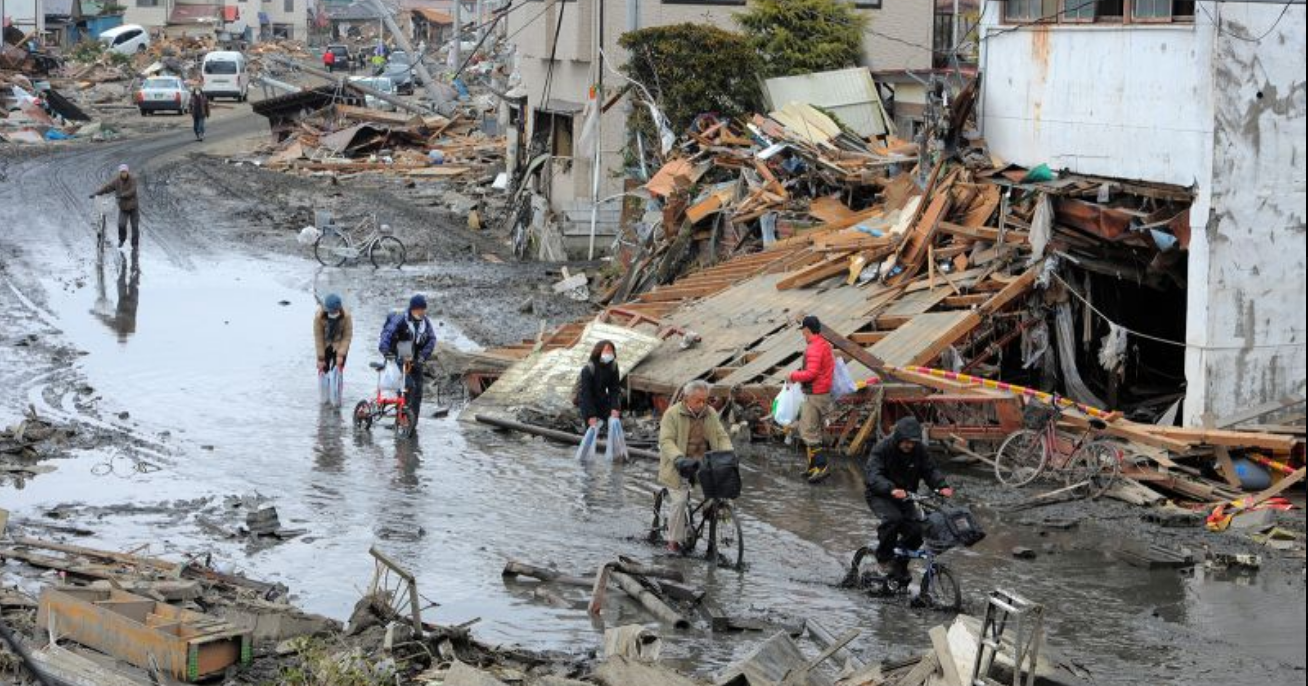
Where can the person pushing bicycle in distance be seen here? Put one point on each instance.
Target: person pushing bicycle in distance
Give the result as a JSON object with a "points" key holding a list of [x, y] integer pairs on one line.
{"points": [[688, 430], [409, 337], [123, 188], [896, 468]]}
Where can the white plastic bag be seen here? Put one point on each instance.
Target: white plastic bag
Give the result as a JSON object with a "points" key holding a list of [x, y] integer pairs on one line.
{"points": [[308, 235], [842, 382], [786, 409], [329, 387], [616, 448], [587, 449], [392, 379]]}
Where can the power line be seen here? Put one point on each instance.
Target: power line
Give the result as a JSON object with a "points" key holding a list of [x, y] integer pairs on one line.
{"points": [[1218, 23]]}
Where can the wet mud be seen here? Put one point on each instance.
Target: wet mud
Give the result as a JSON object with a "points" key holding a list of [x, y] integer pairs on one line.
{"points": [[199, 361]]}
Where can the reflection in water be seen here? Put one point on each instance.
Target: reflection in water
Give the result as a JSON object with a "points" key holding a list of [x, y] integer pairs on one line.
{"points": [[121, 317], [408, 459], [329, 448]]}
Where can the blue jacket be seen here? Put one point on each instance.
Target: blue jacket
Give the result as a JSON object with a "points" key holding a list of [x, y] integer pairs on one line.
{"points": [[398, 328]]}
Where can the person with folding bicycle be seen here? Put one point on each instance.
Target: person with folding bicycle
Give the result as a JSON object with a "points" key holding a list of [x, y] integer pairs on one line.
{"points": [[410, 333], [896, 468]]}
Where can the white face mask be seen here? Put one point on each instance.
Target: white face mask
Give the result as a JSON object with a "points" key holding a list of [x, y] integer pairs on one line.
{"points": [[333, 315], [606, 358]]}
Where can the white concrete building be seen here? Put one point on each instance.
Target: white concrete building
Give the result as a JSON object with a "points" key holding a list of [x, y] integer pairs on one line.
{"points": [[907, 23], [1204, 94], [25, 15]]}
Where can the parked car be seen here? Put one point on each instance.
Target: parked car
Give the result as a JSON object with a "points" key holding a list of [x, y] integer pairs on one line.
{"points": [[340, 57], [163, 93], [225, 75], [377, 83], [127, 39], [400, 70]]}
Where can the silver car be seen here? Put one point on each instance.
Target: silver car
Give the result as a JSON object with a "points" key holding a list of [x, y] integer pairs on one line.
{"points": [[377, 83], [163, 93]]}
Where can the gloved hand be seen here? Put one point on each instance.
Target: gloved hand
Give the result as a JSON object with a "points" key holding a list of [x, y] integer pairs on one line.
{"points": [[687, 467]]}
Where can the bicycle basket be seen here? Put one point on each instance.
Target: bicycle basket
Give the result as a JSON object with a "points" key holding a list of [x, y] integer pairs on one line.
{"points": [[1036, 416], [953, 527], [719, 476]]}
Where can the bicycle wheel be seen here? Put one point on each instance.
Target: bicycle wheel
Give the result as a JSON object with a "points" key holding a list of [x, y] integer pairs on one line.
{"points": [[940, 590], [387, 252], [726, 540], [658, 529], [1020, 459], [1096, 467], [405, 422], [332, 249], [363, 415]]}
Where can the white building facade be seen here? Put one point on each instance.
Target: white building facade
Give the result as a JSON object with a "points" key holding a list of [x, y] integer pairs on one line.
{"points": [[1209, 95]]}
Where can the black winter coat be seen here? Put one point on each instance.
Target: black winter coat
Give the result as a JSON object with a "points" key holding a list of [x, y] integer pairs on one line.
{"points": [[599, 390], [889, 469]]}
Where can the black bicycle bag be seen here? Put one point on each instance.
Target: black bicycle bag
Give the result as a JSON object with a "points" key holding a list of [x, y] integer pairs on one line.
{"points": [[954, 527], [719, 476]]}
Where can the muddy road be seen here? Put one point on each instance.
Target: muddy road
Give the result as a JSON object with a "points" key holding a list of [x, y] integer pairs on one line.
{"points": [[192, 363]]}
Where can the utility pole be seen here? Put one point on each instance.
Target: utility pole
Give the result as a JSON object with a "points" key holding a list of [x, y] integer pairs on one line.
{"points": [[599, 127], [419, 64], [953, 46], [457, 48]]}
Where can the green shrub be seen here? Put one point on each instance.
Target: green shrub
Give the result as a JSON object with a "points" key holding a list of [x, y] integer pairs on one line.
{"points": [[804, 36]]}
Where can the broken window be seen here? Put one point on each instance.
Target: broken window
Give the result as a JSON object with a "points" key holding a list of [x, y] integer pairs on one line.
{"points": [[553, 132]]}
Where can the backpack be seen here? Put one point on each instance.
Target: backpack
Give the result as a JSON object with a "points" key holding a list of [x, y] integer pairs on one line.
{"points": [[576, 387]]}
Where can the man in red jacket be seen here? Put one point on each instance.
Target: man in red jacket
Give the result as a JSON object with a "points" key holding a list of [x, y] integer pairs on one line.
{"points": [[816, 375]]}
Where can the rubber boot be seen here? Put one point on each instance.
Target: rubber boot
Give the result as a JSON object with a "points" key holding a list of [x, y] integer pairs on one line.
{"points": [[816, 473]]}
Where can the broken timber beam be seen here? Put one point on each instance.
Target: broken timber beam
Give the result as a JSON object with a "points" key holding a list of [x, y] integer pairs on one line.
{"points": [[831, 266], [562, 436], [651, 602]]}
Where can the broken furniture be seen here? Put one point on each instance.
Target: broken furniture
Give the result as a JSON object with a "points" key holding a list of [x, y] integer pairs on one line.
{"points": [[143, 632]]}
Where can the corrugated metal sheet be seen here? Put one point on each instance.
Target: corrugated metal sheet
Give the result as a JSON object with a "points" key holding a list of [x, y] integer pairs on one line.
{"points": [[850, 94]]}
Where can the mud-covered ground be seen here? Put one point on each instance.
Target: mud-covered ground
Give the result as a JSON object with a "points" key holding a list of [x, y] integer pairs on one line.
{"points": [[190, 365]]}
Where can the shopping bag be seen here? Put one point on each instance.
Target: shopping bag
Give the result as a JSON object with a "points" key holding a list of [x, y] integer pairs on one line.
{"points": [[392, 379], [842, 382], [786, 409], [335, 380], [616, 449], [587, 449]]}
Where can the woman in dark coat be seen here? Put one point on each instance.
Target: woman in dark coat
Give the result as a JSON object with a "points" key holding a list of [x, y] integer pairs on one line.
{"points": [[599, 390]]}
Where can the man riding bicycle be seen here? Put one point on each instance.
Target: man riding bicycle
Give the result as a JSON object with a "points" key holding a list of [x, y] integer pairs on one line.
{"points": [[688, 430], [896, 468], [410, 335]]}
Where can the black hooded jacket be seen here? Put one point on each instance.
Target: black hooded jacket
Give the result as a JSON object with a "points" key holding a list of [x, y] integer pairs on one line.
{"points": [[889, 469], [599, 390]]}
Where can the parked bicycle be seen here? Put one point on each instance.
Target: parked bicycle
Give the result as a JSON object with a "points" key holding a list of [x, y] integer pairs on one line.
{"points": [[335, 245], [936, 587], [713, 520], [1088, 465], [389, 401]]}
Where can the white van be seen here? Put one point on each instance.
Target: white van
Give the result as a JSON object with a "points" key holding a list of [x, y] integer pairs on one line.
{"points": [[225, 75], [127, 39]]}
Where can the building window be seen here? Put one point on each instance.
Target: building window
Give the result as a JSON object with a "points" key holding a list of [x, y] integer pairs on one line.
{"points": [[147, 3], [1098, 11], [867, 4], [553, 131], [709, 2], [288, 6]]}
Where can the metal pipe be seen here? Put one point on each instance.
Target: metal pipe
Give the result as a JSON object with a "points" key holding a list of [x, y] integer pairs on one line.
{"points": [[419, 64], [561, 436]]}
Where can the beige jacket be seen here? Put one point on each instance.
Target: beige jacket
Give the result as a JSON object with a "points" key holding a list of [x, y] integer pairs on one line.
{"points": [[674, 434], [342, 343]]}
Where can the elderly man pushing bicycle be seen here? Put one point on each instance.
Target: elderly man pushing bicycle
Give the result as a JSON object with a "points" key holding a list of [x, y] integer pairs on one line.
{"points": [[689, 430]]}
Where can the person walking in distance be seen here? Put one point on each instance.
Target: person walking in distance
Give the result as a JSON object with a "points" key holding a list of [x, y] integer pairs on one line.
{"points": [[123, 186], [199, 112], [816, 375]]}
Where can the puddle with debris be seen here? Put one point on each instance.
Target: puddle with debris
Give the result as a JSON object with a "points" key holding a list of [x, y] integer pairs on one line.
{"points": [[204, 367]]}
